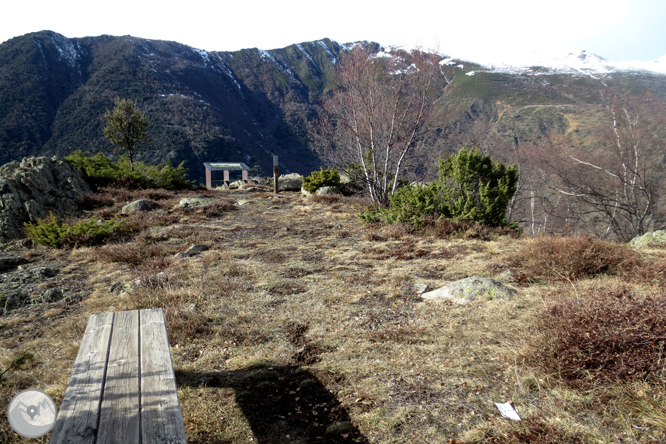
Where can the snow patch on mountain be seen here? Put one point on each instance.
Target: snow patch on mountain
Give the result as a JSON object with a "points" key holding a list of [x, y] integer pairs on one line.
{"points": [[579, 62]]}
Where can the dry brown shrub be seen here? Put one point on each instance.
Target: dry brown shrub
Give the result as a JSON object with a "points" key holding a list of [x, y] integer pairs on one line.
{"points": [[375, 237], [141, 221], [128, 195], [572, 258], [218, 208], [132, 253], [606, 333], [652, 272]]}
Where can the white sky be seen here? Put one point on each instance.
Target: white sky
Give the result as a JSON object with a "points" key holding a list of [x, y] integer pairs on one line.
{"points": [[489, 31]]}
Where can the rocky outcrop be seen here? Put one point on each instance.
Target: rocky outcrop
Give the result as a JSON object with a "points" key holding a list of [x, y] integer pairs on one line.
{"points": [[32, 188], [471, 289]]}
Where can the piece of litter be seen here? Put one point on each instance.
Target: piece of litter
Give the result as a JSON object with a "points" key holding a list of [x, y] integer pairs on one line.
{"points": [[508, 411]]}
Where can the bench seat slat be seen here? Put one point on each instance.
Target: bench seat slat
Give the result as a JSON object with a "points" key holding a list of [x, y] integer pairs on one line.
{"points": [[119, 419], [79, 412], [161, 418]]}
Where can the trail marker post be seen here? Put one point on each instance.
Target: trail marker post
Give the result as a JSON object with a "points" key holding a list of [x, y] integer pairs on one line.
{"points": [[276, 172]]}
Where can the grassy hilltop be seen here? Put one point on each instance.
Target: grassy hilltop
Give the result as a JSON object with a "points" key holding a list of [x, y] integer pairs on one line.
{"points": [[300, 323]]}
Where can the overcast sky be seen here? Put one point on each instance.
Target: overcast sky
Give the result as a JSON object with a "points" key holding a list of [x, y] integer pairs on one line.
{"points": [[486, 31]]}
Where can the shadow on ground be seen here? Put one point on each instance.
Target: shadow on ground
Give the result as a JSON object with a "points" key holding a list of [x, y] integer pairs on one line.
{"points": [[283, 404]]}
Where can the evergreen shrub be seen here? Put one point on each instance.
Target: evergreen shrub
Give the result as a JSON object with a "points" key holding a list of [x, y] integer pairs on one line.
{"points": [[54, 232], [471, 187], [100, 172], [322, 178]]}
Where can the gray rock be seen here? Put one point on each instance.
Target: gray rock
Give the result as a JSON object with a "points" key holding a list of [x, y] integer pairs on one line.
{"points": [[420, 288], [139, 206], [9, 261], [13, 300], [471, 289], [52, 295], [193, 250], [327, 191], [653, 239], [290, 182], [195, 202], [236, 184], [32, 188]]}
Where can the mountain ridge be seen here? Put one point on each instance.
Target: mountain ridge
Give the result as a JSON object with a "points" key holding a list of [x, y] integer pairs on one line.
{"points": [[250, 104]]}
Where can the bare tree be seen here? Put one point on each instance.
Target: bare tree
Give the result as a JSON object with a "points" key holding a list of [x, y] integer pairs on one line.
{"points": [[618, 182], [379, 113]]}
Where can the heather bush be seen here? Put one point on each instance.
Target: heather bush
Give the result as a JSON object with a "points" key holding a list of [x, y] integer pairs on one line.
{"points": [[607, 333], [572, 258]]}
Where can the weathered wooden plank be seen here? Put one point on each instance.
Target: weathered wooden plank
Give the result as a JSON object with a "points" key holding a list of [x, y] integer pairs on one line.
{"points": [[79, 412], [119, 416], [161, 418]]}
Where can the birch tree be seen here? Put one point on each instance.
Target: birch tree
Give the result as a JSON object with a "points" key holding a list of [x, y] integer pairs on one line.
{"points": [[379, 113], [619, 182]]}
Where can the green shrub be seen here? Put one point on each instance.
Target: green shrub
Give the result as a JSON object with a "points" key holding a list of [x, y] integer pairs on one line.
{"points": [[322, 178], [471, 187], [54, 232], [476, 188], [99, 172]]}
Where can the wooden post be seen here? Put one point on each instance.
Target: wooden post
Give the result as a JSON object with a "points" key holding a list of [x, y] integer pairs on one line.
{"points": [[276, 172]]}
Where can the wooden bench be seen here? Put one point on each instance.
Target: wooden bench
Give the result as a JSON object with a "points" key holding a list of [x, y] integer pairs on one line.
{"points": [[122, 388]]}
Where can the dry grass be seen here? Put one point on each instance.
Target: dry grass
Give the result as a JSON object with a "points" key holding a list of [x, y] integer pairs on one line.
{"points": [[300, 324]]}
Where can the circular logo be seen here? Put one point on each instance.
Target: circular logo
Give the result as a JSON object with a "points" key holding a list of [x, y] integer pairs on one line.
{"points": [[32, 413]]}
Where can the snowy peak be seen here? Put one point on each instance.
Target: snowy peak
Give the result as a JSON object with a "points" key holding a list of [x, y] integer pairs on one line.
{"points": [[580, 62]]}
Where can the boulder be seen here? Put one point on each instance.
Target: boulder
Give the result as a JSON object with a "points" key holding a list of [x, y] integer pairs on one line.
{"points": [[32, 188], [139, 206], [290, 182], [653, 239], [471, 289]]}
